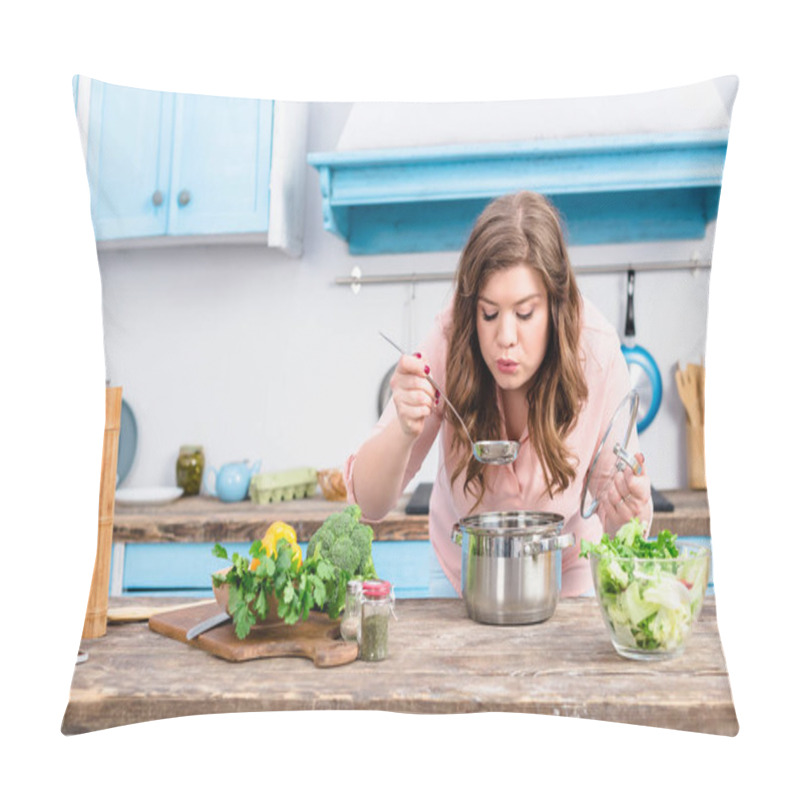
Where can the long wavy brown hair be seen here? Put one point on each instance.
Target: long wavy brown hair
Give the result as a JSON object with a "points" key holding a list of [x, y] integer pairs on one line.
{"points": [[522, 228]]}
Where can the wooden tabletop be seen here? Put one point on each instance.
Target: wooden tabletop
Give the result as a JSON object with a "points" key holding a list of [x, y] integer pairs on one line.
{"points": [[440, 662], [207, 519]]}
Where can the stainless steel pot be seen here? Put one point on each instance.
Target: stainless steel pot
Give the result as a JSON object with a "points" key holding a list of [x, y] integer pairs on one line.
{"points": [[511, 565]]}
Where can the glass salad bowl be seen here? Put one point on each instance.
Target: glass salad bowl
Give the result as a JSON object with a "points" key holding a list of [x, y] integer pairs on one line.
{"points": [[648, 604]]}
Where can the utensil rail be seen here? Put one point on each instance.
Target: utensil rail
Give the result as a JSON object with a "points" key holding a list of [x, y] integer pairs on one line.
{"points": [[356, 279]]}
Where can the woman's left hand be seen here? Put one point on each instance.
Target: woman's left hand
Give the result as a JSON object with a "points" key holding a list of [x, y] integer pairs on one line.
{"points": [[627, 497]]}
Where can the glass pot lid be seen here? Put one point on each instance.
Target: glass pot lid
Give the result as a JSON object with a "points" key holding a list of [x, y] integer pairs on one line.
{"points": [[611, 455]]}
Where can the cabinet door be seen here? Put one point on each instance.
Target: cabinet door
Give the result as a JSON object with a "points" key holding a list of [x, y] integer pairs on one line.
{"points": [[221, 165], [128, 160]]}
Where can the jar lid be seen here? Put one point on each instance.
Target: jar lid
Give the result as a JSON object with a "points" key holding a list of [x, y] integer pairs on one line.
{"points": [[376, 588], [353, 586]]}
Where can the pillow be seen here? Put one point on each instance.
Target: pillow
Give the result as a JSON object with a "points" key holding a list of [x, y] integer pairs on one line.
{"points": [[245, 245]]}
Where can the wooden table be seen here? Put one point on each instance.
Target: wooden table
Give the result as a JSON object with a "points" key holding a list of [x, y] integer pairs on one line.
{"points": [[441, 662], [207, 519]]}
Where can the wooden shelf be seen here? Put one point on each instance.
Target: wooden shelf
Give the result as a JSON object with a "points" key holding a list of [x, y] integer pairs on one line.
{"points": [[608, 189], [206, 519]]}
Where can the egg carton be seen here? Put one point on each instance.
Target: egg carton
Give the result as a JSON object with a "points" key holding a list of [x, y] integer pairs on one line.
{"points": [[291, 484]]}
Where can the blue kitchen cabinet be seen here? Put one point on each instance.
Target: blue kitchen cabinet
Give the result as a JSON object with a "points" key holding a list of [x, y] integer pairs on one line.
{"points": [[170, 568], [405, 565], [164, 165], [128, 160], [220, 165], [164, 568]]}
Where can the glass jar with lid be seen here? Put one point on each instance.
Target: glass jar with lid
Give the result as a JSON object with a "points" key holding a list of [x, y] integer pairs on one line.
{"points": [[377, 604], [189, 468], [351, 619]]}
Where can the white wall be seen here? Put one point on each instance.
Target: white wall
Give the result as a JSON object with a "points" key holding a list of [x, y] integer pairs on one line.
{"points": [[256, 355]]}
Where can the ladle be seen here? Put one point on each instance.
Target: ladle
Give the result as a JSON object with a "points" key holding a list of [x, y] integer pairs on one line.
{"points": [[497, 452]]}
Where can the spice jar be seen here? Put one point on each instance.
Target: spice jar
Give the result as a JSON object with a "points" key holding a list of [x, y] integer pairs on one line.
{"points": [[351, 620], [189, 468], [377, 602]]}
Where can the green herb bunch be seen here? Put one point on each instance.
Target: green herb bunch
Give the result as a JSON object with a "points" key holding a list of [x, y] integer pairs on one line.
{"points": [[297, 588]]}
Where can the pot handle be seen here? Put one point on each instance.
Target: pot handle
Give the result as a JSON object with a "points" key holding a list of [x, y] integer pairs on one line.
{"points": [[559, 542], [456, 535], [533, 548]]}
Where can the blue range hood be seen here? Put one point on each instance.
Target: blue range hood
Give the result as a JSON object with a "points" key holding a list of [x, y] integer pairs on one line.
{"points": [[608, 189]]}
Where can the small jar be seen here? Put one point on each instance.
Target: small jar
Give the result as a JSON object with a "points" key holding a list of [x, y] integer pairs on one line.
{"points": [[351, 620], [377, 602], [189, 469]]}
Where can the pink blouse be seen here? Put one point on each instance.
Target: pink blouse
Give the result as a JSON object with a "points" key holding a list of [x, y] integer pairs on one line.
{"points": [[519, 485]]}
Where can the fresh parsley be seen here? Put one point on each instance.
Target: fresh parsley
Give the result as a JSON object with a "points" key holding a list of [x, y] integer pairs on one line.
{"points": [[279, 579]]}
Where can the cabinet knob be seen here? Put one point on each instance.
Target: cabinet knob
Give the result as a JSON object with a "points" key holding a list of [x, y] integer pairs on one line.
{"points": [[183, 198], [158, 198]]}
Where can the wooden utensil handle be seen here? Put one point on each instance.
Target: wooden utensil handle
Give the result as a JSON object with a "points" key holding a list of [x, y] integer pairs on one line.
{"points": [[143, 613], [696, 456], [94, 624]]}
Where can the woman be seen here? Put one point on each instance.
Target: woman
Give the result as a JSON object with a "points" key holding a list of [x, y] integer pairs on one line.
{"points": [[522, 356]]}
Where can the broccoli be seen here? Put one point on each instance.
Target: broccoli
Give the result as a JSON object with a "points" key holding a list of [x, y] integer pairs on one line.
{"points": [[345, 542]]}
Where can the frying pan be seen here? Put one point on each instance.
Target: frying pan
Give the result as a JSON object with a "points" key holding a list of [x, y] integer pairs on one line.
{"points": [[126, 447], [385, 391], [644, 372]]}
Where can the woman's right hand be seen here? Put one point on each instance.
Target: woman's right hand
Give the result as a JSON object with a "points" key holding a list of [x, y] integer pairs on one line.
{"points": [[412, 394]]}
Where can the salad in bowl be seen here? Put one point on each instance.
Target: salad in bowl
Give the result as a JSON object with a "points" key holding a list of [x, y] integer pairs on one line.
{"points": [[650, 592]]}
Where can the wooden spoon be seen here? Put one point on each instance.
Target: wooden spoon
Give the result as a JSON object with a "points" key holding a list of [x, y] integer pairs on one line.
{"points": [[698, 372], [688, 391]]}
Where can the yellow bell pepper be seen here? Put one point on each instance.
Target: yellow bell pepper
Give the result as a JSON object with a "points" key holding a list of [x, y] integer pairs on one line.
{"points": [[279, 530]]}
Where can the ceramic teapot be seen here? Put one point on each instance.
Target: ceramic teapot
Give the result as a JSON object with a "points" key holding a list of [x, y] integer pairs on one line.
{"points": [[231, 481]]}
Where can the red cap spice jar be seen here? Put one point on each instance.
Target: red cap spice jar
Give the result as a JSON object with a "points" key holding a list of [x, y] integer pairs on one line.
{"points": [[377, 603]]}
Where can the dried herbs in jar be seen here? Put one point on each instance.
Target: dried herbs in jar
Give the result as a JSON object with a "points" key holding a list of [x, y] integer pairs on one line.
{"points": [[377, 601]]}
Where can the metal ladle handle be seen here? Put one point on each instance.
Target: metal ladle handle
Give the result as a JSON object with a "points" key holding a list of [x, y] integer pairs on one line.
{"points": [[438, 389], [452, 408]]}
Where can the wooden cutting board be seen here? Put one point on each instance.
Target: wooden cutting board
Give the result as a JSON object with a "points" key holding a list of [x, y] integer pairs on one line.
{"points": [[316, 638]]}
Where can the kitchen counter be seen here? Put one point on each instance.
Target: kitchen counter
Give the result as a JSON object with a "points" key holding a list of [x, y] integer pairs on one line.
{"points": [[440, 662], [207, 519]]}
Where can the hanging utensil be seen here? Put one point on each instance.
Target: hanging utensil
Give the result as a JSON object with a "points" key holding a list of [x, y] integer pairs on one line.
{"points": [[644, 372], [698, 373], [688, 390], [497, 452], [127, 444], [385, 390]]}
